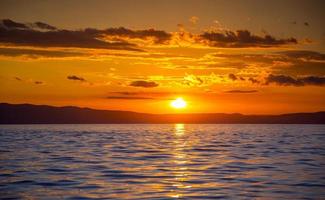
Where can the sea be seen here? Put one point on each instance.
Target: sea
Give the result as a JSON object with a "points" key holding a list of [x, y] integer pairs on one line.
{"points": [[162, 161]]}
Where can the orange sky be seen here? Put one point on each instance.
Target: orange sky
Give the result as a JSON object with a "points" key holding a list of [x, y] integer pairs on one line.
{"points": [[266, 59]]}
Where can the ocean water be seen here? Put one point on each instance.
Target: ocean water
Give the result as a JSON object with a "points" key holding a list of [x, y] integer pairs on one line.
{"points": [[172, 161]]}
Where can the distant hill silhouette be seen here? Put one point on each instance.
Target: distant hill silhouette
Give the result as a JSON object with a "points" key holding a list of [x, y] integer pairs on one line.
{"points": [[41, 114]]}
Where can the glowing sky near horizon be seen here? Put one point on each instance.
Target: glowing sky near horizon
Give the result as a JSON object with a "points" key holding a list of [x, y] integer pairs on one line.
{"points": [[263, 57]]}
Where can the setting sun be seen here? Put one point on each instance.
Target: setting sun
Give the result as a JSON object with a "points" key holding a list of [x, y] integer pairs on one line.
{"points": [[178, 103], [200, 99]]}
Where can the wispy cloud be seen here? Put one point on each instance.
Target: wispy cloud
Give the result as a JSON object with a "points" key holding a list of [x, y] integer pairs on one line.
{"points": [[130, 97], [243, 38], [241, 91], [38, 53], [284, 80], [145, 84], [29, 81], [232, 77], [76, 78], [40, 34]]}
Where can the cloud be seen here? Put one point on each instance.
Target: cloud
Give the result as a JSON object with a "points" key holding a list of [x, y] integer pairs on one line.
{"points": [[193, 20], [30, 81], [253, 80], [294, 62], [302, 63], [26, 35], [232, 77], [242, 38], [38, 82], [10, 24], [62, 38], [36, 53], [141, 95], [306, 55], [76, 78], [125, 93], [129, 97], [284, 80], [40, 34], [13, 25], [45, 26], [95, 38], [305, 23], [313, 80], [83, 35], [159, 36], [241, 91], [145, 84], [192, 80], [18, 79]]}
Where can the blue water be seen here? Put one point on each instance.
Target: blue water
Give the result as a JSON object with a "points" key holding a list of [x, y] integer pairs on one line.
{"points": [[162, 161]]}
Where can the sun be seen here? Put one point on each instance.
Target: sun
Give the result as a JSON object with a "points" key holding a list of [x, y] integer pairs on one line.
{"points": [[178, 103]]}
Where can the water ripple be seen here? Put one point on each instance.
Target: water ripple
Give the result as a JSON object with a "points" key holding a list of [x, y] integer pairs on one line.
{"points": [[162, 161]]}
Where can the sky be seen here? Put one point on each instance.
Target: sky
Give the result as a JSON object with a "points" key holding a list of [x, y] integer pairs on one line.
{"points": [[240, 56]]}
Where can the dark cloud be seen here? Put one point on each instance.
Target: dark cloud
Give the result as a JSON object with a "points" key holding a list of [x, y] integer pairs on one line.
{"points": [[241, 91], [129, 97], [284, 80], [144, 95], [62, 38], [243, 38], [10, 34], [75, 78], [125, 93], [18, 79], [304, 68], [45, 26], [9, 24], [145, 84], [41, 34], [28, 81], [293, 62], [308, 55], [301, 63], [158, 35], [49, 36], [232, 77], [192, 80], [253, 80], [313, 80], [305, 23], [229, 64], [35, 53], [38, 82], [292, 56]]}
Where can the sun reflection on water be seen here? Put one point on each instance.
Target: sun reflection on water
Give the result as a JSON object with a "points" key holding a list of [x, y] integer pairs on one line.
{"points": [[179, 129], [181, 159]]}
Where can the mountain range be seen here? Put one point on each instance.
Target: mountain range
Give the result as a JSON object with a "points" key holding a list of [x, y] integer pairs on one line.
{"points": [[43, 114]]}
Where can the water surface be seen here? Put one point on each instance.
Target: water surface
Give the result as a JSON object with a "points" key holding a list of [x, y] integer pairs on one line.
{"points": [[162, 161]]}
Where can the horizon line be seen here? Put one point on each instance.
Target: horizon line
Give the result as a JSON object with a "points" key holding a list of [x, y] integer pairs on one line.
{"points": [[177, 113]]}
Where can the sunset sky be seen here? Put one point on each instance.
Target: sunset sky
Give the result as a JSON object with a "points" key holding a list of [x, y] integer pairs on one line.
{"points": [[241, 56]]}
